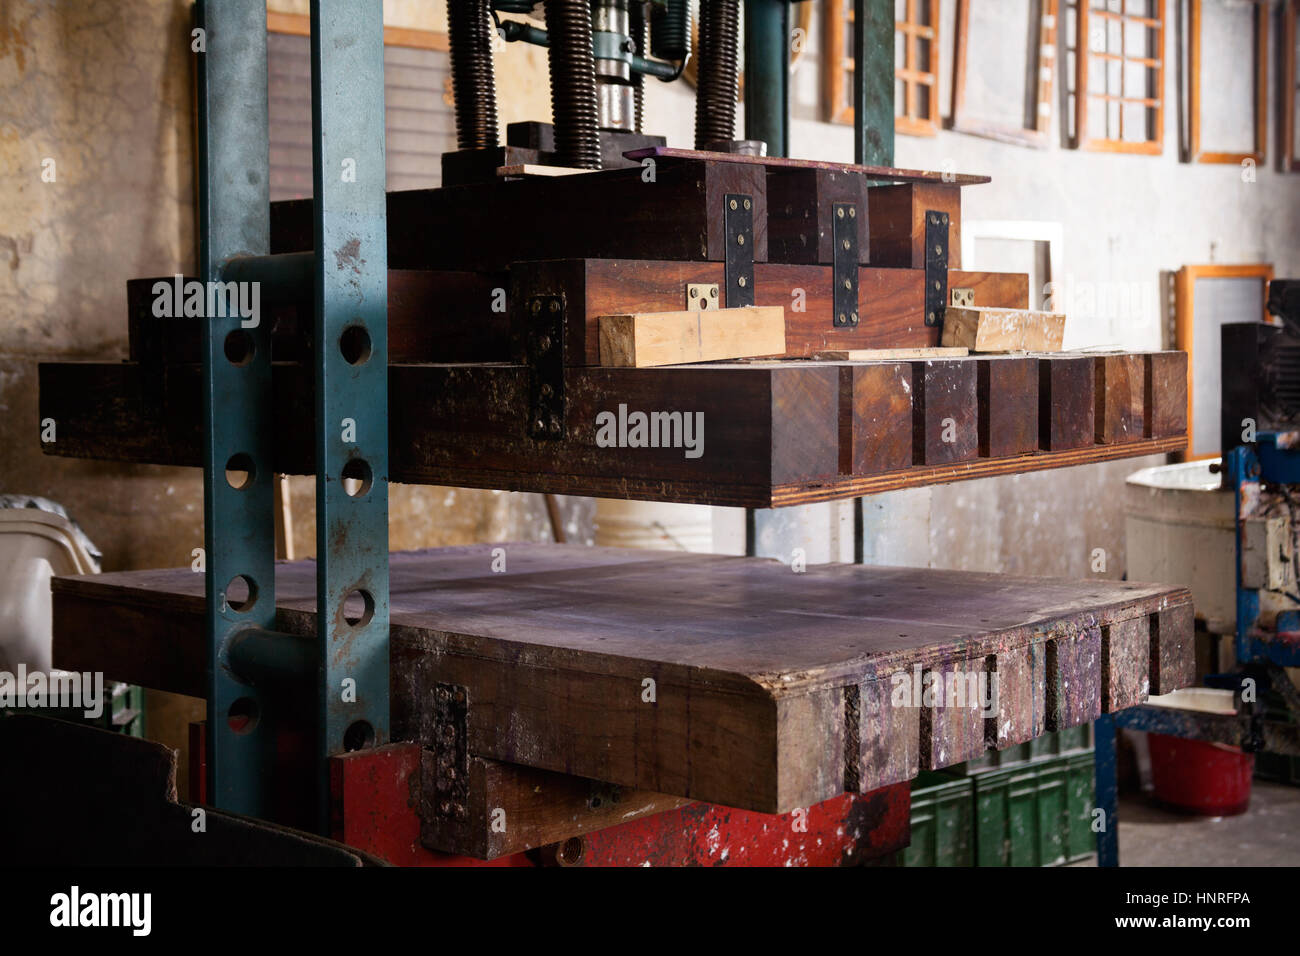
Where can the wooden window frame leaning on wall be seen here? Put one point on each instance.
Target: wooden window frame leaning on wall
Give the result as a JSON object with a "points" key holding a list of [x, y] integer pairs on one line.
{"points": [[1195, 151], [1088, 59], [920, 24]]}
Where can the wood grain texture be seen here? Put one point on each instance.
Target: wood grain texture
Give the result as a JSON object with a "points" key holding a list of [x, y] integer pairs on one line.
{"points": [[875, 417], [775, 433], [800, 214], [877, 355], [1120, 395], [615, 213], [1165, 390], [995, 290], [1003, 330], [752, 667], [897, 222], [651, 339], [1008, 407], [945, 411], [1065, 402]]}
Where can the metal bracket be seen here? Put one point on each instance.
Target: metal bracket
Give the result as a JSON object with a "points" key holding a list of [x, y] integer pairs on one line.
{"points": [[450, 749], [844, 264], [738, 223], [963, 298], [702, 296], [936, 265], [545, 349]]}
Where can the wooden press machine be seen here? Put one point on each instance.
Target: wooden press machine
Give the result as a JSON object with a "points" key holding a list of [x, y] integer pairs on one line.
{"points": [[520, 703]]}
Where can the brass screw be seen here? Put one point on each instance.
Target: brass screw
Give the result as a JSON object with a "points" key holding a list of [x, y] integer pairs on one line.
{"points": [[853, 212], [931, 316], [555, 306], [713, 291], [537, 306], [840, 212], [848, 283], [695, 293], [747, 204], [853, 317], [740, 240], [733, 204], [841, 317], [741, 282], [846, 245]]}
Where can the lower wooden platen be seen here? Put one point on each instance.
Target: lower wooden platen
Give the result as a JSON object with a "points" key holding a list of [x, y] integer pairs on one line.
{"points": [[735, 681]]}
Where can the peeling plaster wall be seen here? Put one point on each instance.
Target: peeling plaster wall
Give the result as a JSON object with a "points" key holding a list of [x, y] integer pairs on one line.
{"points": [[103, 87]]}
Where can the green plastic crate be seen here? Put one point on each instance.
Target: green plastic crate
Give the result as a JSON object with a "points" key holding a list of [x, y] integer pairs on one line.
{"points": [[942, 822], [1072, 740], [1037, 814]]}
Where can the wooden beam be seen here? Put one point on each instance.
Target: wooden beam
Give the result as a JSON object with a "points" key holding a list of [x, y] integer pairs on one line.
{"points": [[1003, 330], [650, 339]]}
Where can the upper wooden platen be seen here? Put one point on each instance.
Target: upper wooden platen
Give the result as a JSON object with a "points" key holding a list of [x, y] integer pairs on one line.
{"points": [[731, 680], [759, 434]]}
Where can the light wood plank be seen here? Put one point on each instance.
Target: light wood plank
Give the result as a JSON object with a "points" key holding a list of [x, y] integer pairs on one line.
{"points": [[652, 339], [876, 355], [1003, 330]]}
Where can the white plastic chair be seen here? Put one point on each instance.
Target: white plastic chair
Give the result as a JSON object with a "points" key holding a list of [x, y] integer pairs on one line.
{"points": [[35, 545]]}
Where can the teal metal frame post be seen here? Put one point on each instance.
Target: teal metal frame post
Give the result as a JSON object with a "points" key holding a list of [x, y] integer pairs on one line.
{"points": [[873, 82], [767, 74], [234, 221], [253, 671], [351, 289]]}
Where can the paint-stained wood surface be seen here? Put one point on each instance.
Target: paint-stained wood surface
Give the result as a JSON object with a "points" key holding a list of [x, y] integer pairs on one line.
{"points": [[730, 680], [650, 339], [1003, 330]]}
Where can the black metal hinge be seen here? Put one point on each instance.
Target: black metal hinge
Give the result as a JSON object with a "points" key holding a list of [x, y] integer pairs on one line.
{"points": [[844, 264], [738, 270], [936, 266], [545, 351]]}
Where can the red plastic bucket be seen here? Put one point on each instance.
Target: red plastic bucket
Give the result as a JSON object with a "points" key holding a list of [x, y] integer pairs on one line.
{"points": [[1200, 777]]}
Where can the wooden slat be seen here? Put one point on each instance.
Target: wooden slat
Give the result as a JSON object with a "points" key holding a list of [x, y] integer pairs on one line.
{"points": [[1120, 383], [1003, 330], [650, 339], [1165, 391], [994, 290], [945, 411], [1065, 402], [722, 679], [876, 355], [875, 417], [1008, 407]]}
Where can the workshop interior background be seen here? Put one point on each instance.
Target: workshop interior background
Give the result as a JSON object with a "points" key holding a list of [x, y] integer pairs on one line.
{"points": [[104, 87]]}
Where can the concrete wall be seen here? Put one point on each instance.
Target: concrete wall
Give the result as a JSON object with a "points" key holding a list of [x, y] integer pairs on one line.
{"points": [[1128, 221], [103, 88]]}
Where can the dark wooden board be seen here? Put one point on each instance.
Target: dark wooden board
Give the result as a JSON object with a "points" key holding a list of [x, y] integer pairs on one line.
{"points": [[1120, 394], [1066, 410], [875, 417], [945, 409], [878, 173], [1008, 407], [890, 301], [766, 683], [800, 213], [775, 433], [1166, 394], [897, 222], [615, 213]]}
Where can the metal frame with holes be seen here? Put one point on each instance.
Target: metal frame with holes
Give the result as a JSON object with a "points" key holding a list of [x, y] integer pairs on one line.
{"points": [[248, 663]]}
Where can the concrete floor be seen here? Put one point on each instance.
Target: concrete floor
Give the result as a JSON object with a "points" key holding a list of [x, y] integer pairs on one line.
{"points": [[1268, 834]]}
